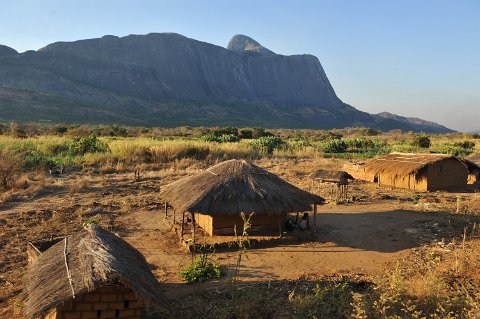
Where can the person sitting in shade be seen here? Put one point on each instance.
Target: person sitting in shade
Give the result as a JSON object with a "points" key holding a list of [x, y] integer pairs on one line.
{"points": [[305, 222]]}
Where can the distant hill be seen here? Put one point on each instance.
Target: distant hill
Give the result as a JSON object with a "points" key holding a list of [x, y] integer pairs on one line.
{"points": [[166, 79]]}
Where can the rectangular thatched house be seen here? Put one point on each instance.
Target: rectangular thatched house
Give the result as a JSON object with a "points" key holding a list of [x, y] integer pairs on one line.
{"points": [[418, 172]]}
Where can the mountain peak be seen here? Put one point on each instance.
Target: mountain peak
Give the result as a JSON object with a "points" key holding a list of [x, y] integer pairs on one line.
{"points": [[4, 51], [240, 42]]}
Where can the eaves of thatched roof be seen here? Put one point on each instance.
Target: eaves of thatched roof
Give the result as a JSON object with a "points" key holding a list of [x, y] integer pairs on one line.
{"points": [[94, 257], [403, 164], [236, 186]]}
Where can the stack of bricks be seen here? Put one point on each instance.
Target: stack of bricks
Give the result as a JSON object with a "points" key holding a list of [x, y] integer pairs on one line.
{"points": [[108, 302]]}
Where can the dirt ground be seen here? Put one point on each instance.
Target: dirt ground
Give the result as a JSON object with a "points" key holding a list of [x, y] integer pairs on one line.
{"points": [[365, 236]]}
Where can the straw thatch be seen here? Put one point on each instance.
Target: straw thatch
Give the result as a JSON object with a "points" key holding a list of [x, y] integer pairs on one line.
{"points": [[331, 176], [95, 257], [472, 165], [402, 164], [236, 186]]}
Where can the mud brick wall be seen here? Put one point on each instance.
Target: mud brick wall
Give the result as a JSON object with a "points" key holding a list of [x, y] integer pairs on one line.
{"points": [[104, 303]]}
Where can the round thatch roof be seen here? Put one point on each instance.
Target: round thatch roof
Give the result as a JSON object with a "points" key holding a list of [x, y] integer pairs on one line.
{"points": [[95, 257], [236, 186], [336, 176]]}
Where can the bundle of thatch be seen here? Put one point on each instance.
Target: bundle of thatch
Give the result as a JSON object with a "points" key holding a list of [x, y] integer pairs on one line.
{"points": [[94, 257], [340, 177], [236, 186]]}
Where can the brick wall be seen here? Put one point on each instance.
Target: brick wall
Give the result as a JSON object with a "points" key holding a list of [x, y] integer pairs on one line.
{"points": [[109, 302]]}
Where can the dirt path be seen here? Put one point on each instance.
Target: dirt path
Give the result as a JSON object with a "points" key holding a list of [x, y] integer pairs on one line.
{"points": [[351, 239]]}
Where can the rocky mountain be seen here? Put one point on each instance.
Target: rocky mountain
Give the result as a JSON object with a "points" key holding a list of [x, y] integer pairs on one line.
{"points": [[167, 79]]}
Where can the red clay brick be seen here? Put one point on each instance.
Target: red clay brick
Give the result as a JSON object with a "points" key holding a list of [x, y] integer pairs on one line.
{"points": [[127, 313], [134, 304], [108, 297], [66, 306], [131, 296], [89, 315], [108, 314], [82, 306], [72, 315], [92, 297], [100, 306], [116, 305]]}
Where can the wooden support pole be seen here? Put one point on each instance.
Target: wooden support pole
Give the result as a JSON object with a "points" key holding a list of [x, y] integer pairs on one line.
{"points": [[183, 221], [280, 229], [315, 218], [174, 216], [193, 230], [296, 219], [166, 209]]}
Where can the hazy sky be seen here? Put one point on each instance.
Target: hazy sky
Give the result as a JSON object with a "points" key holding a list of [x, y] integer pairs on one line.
{"points": [[409, 57]]}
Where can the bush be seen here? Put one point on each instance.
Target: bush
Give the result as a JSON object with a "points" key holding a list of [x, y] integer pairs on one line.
{"points": [[476, 136], [335, 146], [267, 144], [201, 269], [10, 168], [89, 144], [333, 301], [225, 131], [422, 141], [246, 134], [225, 138], [466, 145]]}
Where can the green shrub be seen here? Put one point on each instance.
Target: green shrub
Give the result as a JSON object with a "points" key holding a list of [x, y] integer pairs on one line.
{"points": [[225, 138], [422, 141], [466, 145], [89, 144], [201, 269], [246, 134], [267, 144], [335, 146], [225, 131]]}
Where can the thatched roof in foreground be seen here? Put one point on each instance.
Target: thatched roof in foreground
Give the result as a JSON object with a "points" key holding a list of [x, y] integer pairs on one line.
{"points": [[95, 257], [402, 164], [334, 176], [236, 186]]}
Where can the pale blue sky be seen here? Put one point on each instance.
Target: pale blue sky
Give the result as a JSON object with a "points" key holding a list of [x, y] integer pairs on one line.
{"points": [[409, 57]]}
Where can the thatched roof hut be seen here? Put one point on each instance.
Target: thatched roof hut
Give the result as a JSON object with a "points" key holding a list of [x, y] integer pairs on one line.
{"points": [[81, 264], [230, 188], [421, 172], [339, 177]]}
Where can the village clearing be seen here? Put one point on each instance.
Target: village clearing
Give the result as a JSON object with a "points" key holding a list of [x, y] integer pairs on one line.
{"points": [[365, 237]]}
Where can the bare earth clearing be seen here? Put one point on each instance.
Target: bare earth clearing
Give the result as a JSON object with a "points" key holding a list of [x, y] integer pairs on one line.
{"points": [[364, 237]]}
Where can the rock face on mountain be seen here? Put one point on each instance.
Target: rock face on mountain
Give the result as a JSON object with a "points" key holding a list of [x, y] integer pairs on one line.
{"points": [[242, 43], [167, 79]]}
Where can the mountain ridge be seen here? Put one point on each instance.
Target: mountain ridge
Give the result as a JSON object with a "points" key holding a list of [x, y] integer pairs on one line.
{"points": [[164, 79]]}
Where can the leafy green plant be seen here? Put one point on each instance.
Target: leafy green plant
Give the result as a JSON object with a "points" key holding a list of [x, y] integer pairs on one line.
{"points": [[89, 144], [335, 146], [201, 269], [267, 144]]}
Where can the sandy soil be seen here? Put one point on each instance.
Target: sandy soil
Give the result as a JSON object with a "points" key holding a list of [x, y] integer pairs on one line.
{"points": [[363, 237]]}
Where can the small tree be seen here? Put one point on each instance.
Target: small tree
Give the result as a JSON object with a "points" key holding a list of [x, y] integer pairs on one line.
{"points": [[422, 141]]}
